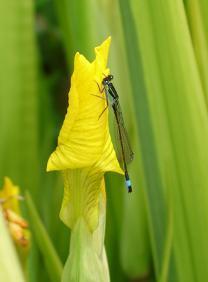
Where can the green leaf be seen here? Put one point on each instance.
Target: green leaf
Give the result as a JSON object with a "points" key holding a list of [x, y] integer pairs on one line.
{"points": [[155, 189], [18, 94], [198, 34], [43, 241], [204, 12]]}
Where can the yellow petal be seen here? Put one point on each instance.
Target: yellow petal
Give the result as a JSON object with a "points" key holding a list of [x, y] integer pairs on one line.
{"points": [[108, 160], [9, 196], [101, 53], [83, 136]]}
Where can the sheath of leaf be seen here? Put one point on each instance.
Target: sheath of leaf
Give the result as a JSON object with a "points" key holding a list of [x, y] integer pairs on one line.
{"points": [[85, 151]]}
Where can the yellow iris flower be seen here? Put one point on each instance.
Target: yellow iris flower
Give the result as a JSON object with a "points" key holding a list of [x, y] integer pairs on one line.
{"points": [[84, 153]]}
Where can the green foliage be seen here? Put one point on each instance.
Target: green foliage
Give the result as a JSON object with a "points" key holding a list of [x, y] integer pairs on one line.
{"points": [[19, 94]]}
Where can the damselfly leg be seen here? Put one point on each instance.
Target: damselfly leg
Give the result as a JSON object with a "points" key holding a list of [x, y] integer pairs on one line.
{"points": [[101, 90]]}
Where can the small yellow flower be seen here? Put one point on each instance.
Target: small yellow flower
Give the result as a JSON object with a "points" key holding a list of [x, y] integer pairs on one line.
{"points": [[9, 201]]}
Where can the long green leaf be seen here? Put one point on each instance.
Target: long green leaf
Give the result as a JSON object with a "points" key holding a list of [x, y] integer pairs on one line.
{"points": [[18, 94], [197, 28], [155, 189], [204, 12], [44, 243]]}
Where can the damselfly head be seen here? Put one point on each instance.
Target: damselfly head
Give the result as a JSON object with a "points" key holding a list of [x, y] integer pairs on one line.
{"points": [[107, 79]]}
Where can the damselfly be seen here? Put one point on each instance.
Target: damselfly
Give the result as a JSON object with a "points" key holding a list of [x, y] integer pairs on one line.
{"points": [[125, 148]]}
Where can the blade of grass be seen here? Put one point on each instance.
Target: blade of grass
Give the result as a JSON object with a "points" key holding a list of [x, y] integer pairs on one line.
{"points": [[198, 35], [155, 189], [113, 225], [43, 241], [135, 241], [204, 12], [18, 94]]}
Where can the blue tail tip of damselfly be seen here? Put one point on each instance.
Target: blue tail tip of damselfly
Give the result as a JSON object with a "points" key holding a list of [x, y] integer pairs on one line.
{"points": [[128, 185]]}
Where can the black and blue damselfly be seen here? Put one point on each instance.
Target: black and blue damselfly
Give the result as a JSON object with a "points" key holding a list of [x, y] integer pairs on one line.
{"points": [[123, 140]]}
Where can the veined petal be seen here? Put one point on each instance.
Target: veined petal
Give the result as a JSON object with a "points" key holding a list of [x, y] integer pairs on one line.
{"points": [[81, 195], [84, 132]]}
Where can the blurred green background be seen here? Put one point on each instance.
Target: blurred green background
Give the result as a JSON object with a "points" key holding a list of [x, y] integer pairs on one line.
{"points": [[159, 59]]}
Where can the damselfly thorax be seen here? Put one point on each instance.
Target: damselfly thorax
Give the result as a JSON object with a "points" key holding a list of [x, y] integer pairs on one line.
{"points": [[110, 91]]}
